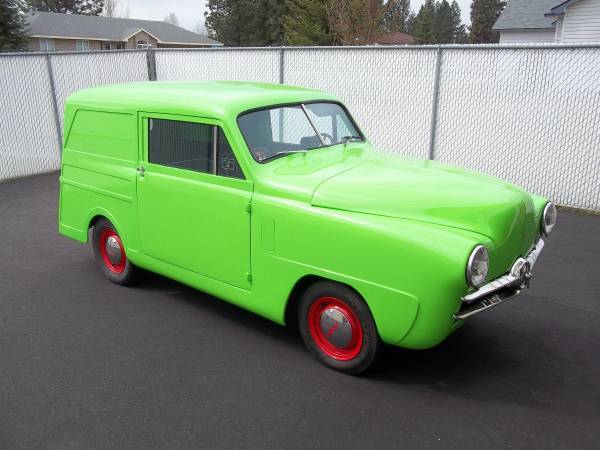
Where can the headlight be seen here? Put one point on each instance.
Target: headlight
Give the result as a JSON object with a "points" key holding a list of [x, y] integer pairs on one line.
{"points": [[477, 267], [549, 218]]}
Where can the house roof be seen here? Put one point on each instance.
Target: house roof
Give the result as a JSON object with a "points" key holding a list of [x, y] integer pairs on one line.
{"points": [[46, 24], [559, 9], [528, 14], [397, 38]]}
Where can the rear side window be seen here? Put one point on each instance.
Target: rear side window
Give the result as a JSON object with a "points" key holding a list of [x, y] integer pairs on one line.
{"points": [[191, 146]]}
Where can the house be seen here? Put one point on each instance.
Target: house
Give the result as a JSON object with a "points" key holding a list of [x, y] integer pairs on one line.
{"points": [[52, 32], [397, 38], [549, 21]]}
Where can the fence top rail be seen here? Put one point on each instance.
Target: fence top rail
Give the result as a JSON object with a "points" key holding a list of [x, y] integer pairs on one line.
{"points": [[325, 48], [392, 47], [73, 52]]}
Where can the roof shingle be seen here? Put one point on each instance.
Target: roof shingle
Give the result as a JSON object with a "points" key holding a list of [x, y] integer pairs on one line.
{"points": [[526, 14], [112, 29]]}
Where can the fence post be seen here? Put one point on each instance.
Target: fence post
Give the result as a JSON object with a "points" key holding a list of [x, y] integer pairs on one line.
{"points": [[151, 63], [435, 102], [281, 64], [54, 102]]}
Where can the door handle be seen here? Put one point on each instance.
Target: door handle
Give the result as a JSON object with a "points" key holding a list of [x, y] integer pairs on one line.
{"points": [[141, 170]]}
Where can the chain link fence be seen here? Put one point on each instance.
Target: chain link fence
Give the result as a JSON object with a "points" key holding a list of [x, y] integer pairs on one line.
{"points": [[527, 114]]}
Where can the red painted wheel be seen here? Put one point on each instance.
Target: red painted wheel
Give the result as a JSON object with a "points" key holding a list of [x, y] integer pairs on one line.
{"points": [[111, 250], [110, 255], [335, 328]]}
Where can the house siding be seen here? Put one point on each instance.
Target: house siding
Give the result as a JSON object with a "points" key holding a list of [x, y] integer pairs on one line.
{"points": [[540, 36], [582, 22], [61, 45]]}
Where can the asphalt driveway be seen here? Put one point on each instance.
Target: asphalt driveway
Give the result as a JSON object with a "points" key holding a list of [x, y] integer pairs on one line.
{"points": [[88, 364]]}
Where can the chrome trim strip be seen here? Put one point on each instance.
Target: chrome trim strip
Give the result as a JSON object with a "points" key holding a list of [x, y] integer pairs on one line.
{"points": [[486, 304], [514, 280]]}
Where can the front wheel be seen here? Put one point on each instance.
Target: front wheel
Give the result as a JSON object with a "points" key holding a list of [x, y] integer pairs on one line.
{"points": [[338, 328], [110, 255]]}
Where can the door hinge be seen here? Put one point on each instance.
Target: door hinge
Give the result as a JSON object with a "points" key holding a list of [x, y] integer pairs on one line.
{"points": [[249, 277], [249, 207]]}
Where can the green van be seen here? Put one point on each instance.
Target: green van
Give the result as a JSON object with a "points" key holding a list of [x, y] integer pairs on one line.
{"points": [[271, 197]]}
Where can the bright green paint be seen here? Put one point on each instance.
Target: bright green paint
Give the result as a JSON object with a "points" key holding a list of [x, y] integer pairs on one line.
{"points": [[399, 231]]}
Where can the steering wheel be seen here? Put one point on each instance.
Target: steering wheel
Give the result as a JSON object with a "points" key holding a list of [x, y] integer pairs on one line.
{"points": [[260, 153], [327, 136]]}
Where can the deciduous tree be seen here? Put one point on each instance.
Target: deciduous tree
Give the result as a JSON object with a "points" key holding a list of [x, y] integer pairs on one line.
{"points": [[172, 19], [355, 22]]}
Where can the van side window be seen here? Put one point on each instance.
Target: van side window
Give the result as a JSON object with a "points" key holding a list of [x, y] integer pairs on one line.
{"points": [[227, 165], [191, 146], [185, 145]]}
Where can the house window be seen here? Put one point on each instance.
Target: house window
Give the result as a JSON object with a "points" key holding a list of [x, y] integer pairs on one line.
{"points": [[46, 45], [81, 45], [112, 45], [143, 44]]}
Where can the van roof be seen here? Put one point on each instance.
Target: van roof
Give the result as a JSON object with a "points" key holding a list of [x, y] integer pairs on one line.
{"points": [[217, 99]]}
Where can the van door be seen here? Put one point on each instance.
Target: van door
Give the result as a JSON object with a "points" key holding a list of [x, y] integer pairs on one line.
{"points": [[193, 198]]}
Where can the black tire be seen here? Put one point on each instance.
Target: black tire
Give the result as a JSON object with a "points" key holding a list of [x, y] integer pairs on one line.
{"points": [[124, 272], [356, 353]]}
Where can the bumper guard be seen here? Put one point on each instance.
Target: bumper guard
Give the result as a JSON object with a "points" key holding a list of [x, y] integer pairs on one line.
{"points": [[501, 289]]}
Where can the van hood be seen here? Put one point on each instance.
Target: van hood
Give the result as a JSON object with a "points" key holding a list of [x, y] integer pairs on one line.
{"points": [[432, 192]]}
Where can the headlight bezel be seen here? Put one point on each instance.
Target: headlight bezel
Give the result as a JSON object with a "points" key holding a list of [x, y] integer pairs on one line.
{"points": [[478, 252], [546, 229]]}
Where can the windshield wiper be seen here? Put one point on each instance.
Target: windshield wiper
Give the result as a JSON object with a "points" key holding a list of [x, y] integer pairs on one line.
{"points": [[282, 153]]}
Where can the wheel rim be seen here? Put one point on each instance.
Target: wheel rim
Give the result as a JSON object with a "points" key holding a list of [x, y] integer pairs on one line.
{"points": [[335, 328], [111, 250]]}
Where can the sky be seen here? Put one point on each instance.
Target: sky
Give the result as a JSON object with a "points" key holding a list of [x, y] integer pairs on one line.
{"points": [[190, 12]]}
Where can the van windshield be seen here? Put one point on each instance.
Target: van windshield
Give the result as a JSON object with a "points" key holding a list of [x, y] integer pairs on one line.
{"points": [[279, 131]]}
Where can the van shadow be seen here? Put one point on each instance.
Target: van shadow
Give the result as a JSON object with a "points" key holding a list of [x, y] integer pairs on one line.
{"points": [[480, 361], [223, 310]]}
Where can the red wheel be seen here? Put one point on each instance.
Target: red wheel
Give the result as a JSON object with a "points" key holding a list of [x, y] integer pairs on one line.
{"points": [[335, 328], [111, 250], [110, 255]]}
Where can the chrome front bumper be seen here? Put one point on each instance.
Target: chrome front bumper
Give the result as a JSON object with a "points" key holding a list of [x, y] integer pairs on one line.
{"points": [[501, 289]]}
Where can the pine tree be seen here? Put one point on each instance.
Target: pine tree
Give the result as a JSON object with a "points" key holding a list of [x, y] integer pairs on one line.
{"points": [[422, 26], [234, 22], [13, 27], [395, 15], [86, 7], [484, 14], [459, 31], [443, 26], [269, 22], [305, 23]]}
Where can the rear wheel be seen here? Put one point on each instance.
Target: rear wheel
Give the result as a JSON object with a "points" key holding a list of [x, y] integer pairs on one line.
{"points": [[338, 328], [110, 255]]}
